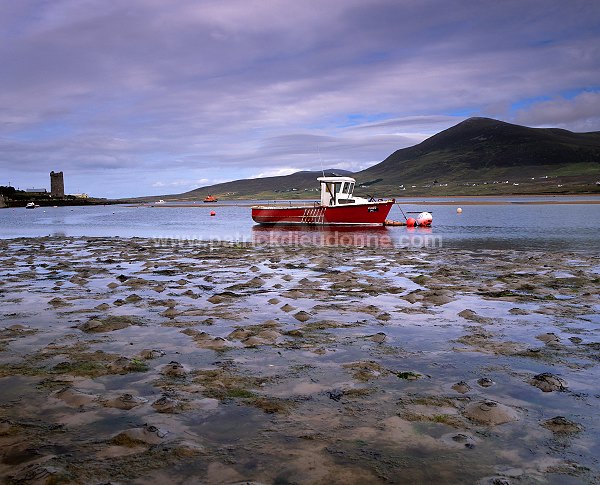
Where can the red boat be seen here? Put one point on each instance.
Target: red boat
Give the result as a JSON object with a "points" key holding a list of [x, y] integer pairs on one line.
{"points": [[337, 207], [210, 198]]}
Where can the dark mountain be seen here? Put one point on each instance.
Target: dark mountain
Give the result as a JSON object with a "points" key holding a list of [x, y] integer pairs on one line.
{"points": [[477, 156], [482, 149]]}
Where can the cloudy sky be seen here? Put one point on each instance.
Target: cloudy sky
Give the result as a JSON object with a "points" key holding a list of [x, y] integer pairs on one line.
{"points": [[138, 97]]}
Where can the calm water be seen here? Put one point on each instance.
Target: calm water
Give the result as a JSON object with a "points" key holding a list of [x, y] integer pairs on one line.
{"points": [[514, 225]]}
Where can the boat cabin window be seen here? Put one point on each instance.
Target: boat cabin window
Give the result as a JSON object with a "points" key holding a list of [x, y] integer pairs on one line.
{"points": [[331, 188], [333, 193]]}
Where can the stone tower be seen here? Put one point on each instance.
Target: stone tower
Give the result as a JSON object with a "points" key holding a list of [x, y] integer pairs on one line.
{"points": [[57, 185]]}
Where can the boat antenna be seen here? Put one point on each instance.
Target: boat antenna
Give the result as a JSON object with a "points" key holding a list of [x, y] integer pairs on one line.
{"points": [[321, 160]]}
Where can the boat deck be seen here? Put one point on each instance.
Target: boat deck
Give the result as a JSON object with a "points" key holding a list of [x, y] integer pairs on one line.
{"points": [[307, 205]]}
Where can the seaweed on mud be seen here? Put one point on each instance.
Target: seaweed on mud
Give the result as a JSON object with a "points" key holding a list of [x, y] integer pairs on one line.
{"points": [[429, 400], [420, 279], [129, 466], [325, 324], [7, 370], [166, 272], [16, 331], [366, 370], [500, 294], [81, 368], [270, 405], [358, 392], [434, 409], [110, 323], [568, 283], [137, 365], [224, 385], [91, 365], [408, 375], [448, 419], [523, 295]]}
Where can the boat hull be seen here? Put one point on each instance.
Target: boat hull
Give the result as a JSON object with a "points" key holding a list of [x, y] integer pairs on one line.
{"points": [[371, 214]]}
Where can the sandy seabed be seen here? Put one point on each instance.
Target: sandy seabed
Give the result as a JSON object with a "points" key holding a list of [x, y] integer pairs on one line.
{"points": [[136, 361]]}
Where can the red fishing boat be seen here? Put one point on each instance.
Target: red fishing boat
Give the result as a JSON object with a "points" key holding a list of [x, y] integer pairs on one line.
{"points": [[337, 207], [210, 198]]}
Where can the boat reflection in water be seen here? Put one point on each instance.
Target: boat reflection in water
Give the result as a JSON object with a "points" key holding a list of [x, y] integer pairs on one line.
{"points": [[296, 235]]}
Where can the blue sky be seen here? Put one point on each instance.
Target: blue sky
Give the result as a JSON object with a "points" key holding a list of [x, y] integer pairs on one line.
{"points": [[140, 97]]}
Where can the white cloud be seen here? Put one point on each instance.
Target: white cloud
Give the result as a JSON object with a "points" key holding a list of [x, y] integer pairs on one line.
{"points": [[276, 172], [182, 183]]}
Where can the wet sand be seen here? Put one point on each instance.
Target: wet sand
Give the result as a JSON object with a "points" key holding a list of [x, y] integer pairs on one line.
{"points": [[130, 361]]}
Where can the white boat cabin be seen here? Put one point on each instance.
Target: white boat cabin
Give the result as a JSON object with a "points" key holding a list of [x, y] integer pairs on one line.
{"points": [[338, 191]]}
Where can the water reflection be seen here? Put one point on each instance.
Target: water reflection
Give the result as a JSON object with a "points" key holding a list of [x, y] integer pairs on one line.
{"points": [[374, 237], [516, 226], [419, 230], [346, 236]]}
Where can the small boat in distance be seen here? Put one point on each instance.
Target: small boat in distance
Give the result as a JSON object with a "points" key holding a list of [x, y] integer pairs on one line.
{"points": [[210, 198], [337, 207], [31, 205], [161, 201]]}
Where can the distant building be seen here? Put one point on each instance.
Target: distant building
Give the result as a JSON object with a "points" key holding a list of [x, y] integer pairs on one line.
{"points": [[36, 191], [80, 196], [57, 185]]}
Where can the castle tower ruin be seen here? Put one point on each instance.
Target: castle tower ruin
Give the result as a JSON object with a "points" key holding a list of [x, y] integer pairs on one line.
{"points": [[57, 185]]}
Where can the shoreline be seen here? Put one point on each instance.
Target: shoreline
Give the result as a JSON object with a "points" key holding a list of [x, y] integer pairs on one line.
{"points": [[141, 361], [464, 200]]}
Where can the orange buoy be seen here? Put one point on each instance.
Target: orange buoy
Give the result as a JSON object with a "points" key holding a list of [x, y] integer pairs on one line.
{"points": [[213, 213], [410, 222]]}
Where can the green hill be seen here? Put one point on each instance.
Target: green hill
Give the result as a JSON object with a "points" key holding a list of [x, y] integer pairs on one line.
{"points": [[483, 151], [479, 156]]}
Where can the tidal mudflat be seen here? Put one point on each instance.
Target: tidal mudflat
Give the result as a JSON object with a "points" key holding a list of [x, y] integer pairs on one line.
{"points": [[131, 361]]}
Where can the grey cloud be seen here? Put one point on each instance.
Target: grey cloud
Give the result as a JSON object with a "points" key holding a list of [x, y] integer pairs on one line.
{"points": [[307, 151], [250, 85], [581, 113]]}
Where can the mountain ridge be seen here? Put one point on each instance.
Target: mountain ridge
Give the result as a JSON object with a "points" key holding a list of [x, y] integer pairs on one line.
{"points": [[477, 156], [478, 143]]}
